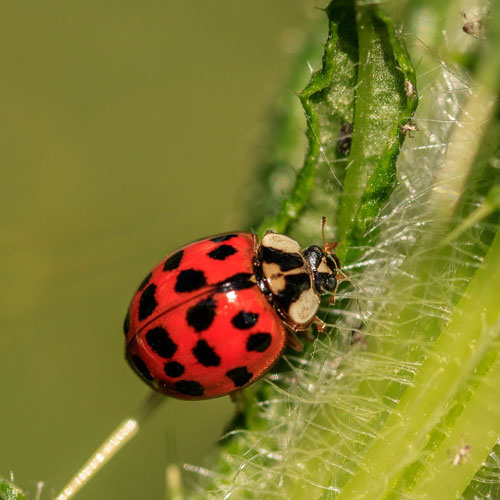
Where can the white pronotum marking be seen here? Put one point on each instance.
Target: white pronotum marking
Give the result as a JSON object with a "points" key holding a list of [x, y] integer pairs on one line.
{"points": [[280, 242], [303, 310]]}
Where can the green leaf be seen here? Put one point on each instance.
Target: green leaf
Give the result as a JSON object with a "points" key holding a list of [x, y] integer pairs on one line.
{"points": [[328, 102], [386, 101]]}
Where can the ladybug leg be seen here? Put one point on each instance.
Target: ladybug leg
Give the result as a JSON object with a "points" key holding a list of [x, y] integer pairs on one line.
{"points": [[293, 342], [319, 323], [341, 276]]}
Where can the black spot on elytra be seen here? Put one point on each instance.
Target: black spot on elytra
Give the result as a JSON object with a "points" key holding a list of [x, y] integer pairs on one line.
{"points": [[286, 260], [240, 376], [244, 320], [222, 252], [141, 367], [147, 302], [189, 388], [223, 237], [173, 261], [126, 323], [173, 369], [258, 342], [160, 342], [144, 282], [201, 315], [190, 280], [238, 281], [205, 354]]}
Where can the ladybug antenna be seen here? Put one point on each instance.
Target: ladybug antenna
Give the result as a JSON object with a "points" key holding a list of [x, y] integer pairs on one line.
{"points": [[323, 224], [328, 247], [118, 438]]}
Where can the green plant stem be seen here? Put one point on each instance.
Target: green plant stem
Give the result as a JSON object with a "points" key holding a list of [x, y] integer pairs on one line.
{"points": [[491, 203], [478, 429], [464, 145], [452, 361]]}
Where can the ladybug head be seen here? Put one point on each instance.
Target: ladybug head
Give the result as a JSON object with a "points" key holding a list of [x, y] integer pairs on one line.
{"points": [[325, 267]]}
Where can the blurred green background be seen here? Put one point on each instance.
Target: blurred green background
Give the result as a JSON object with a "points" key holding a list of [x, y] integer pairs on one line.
{"points": [[128, 129]]}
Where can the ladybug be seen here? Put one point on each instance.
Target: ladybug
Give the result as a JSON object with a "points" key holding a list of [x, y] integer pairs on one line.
{"points": [[213, 317]]}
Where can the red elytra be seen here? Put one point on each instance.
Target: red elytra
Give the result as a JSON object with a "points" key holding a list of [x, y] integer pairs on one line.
{"points": [[202, 324]]}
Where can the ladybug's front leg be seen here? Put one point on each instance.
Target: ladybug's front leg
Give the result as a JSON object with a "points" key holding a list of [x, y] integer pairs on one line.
{"points": [[319, 324]]}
